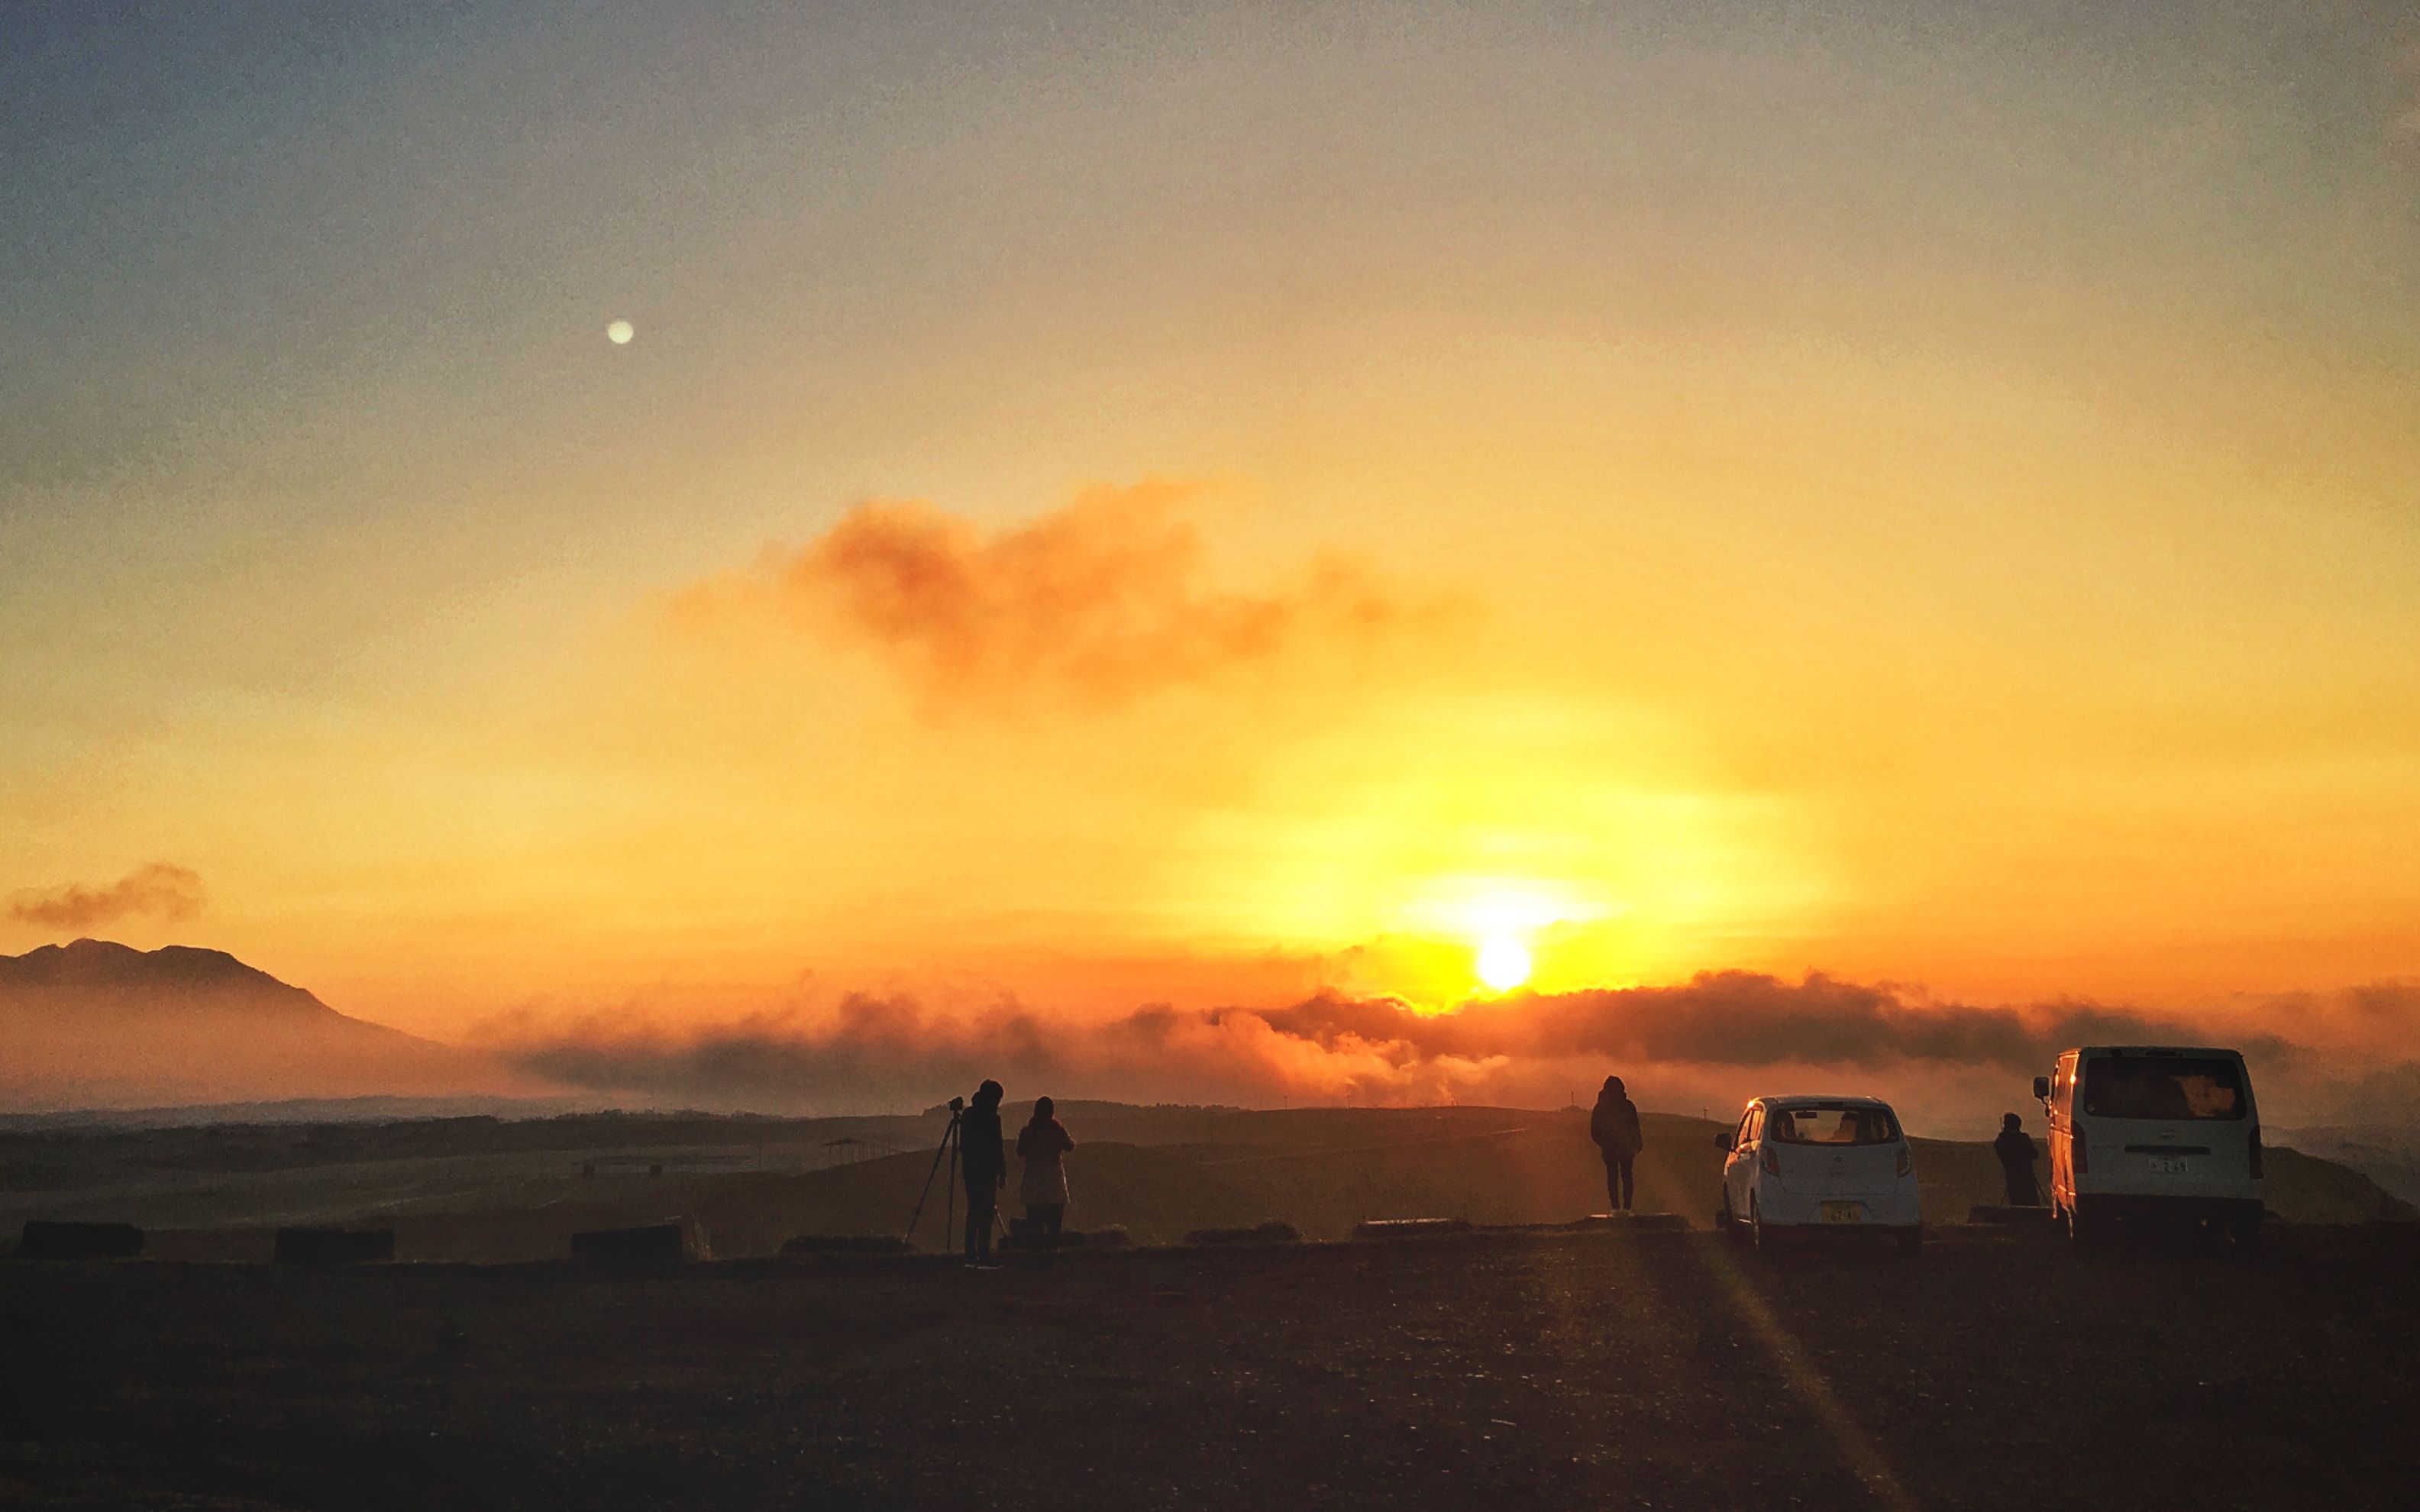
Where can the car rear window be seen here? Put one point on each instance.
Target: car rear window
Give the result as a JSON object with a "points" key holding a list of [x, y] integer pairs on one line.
{"points": [[2168, 1086], [1835, 1124]]}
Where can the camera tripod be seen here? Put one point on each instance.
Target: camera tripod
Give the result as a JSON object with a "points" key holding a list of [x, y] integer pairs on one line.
{"points": [[951, 1141]]}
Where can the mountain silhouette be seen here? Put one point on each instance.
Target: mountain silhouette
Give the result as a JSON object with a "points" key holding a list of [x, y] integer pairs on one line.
{"points": [[139, 979], [95, 1023]]}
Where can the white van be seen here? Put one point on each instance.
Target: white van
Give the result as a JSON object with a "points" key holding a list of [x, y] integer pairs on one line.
{"points": [[1803, 1164], [2145, 1135]]}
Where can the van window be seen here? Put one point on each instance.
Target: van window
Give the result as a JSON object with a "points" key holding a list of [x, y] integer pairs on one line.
{"points": [[2169, 1087], [1833, 1125]]}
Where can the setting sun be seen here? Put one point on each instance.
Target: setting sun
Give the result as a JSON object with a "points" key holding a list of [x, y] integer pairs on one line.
{"points": [[1503, 962]]}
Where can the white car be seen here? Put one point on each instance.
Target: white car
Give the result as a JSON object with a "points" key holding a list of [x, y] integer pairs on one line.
{"points": [[1804, 1163]]}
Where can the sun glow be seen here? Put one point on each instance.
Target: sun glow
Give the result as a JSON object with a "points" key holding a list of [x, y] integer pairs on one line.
{"points": [[1503, 962]]}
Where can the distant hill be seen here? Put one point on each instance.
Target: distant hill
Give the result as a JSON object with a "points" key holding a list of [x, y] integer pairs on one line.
{"points": [[2388, 1155], [101, 1024]]}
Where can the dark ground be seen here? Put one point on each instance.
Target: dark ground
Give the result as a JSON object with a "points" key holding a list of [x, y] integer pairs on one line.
{"points": [[1507, 1370]]}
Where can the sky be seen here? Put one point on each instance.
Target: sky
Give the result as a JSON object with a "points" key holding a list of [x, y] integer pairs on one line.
{"points": [[1112, 508]]}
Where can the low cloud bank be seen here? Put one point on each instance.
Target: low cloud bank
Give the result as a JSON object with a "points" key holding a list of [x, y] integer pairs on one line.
{"points": [[157, 891], [1719, 1037], [1736, 1018]]}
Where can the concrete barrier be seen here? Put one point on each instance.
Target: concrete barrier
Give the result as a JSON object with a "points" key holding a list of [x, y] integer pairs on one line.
{"points": [[42, 1239], [1664, 1223], [1272, 1232], [334, 1246], [1409, 1227], [1025, 1234], [650, 1245], [846, 1244]]}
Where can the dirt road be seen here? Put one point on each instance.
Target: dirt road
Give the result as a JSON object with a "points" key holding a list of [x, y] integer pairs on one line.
{"points": [[1565, 1370]]}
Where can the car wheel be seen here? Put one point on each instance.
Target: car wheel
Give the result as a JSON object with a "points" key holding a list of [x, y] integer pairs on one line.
{"points": [[1761, 1231], [2089, 1228], [2245, 1233]]}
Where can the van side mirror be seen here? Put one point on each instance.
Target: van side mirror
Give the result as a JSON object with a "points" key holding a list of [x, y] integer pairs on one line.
{"points": [[2041, 1089], [1722, 1142]]}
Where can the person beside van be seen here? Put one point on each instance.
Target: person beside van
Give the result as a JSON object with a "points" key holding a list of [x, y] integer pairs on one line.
{"points": [[1039, 1145], [1614, 1126], [2017, 1153], [984, 1155]]}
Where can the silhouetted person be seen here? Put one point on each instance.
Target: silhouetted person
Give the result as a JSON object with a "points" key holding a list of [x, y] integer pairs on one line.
{"points": [[2017, 1156], [1614, 1125], [984, 1164], [1039, 1145]]}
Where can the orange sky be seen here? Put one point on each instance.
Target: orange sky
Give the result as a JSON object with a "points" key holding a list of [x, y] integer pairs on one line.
{"points": [[1275, 516]]}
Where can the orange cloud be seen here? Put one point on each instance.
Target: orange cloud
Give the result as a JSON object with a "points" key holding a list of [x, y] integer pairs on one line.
{"points": [[159, 890], [1717, 1034], [1103, 600]]}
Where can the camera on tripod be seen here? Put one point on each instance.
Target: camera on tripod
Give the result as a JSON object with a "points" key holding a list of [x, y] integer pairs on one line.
{"points": [[952, 1142]]}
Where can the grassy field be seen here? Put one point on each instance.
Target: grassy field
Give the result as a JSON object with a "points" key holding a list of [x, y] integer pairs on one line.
{"points": [[1639, 1369], [477, 1189]]}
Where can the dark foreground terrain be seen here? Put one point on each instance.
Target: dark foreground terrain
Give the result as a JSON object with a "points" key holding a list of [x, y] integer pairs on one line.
{"points": [[1510, 1370]]}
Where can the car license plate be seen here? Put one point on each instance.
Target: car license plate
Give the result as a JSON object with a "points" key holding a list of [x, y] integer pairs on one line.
{"points": [[2169, 1165], [1840, 1212]]}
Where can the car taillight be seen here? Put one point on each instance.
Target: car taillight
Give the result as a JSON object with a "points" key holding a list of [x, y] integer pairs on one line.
{"points": [[1772, 1161], [2253, 1150], [2077, 1152], [1906, 1159]]}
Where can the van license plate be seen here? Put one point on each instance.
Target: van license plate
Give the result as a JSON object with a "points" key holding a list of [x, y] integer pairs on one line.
{"points": [[2169, 1165], [1839, 1212]]}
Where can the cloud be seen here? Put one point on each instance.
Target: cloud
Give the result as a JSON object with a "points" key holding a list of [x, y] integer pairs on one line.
{"points": [[1736, 1019], [879, 1052], [157, 890], [1103, 600], [1704, 1038]]}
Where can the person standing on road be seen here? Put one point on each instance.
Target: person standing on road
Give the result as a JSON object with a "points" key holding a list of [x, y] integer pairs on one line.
{"points": [[2017, 1155], [1039, 1145], [1614, 1125], [985, 1158]]}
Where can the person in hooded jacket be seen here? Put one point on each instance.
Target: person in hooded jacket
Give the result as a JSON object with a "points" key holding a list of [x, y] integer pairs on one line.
{"points": [[2017, 1155], [1614, 1126], [1039, 1145], [983, 1164]]}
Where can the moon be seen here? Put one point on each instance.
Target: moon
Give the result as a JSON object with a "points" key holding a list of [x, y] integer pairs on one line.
{"points": [[620, 332]]}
